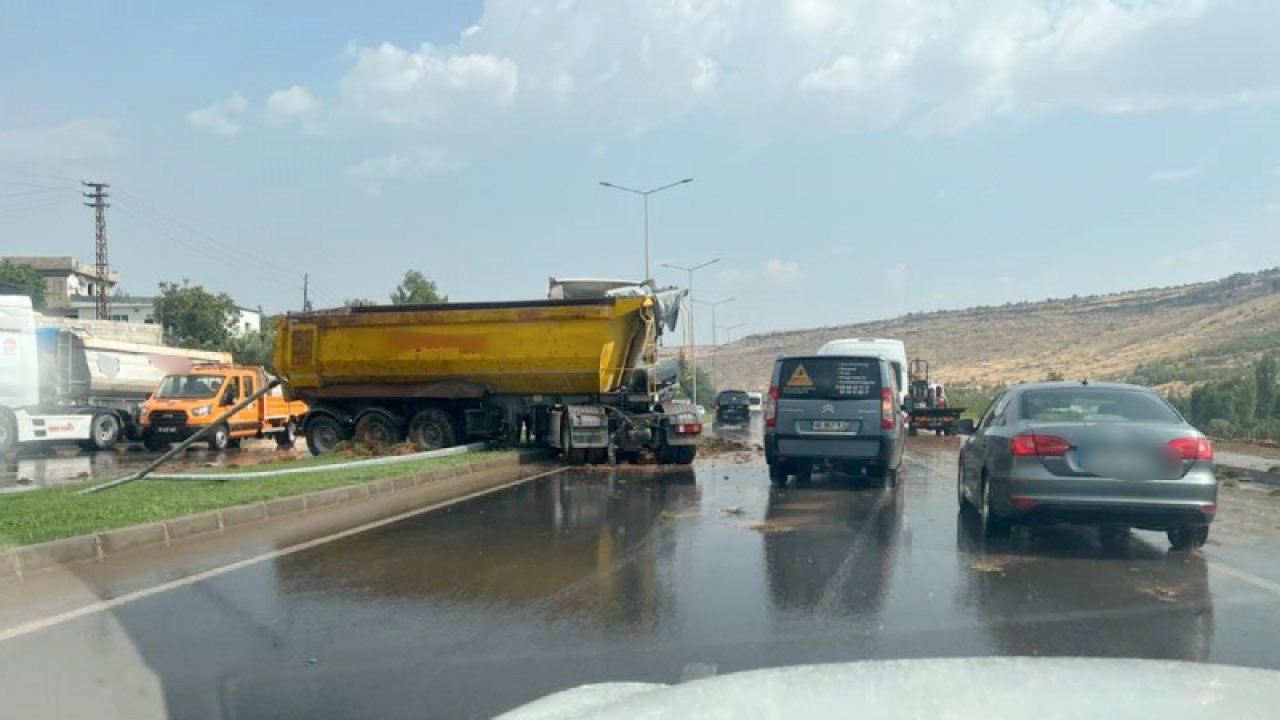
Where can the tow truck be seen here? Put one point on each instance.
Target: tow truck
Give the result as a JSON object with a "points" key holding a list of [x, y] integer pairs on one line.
{"points": [[927, 403]]}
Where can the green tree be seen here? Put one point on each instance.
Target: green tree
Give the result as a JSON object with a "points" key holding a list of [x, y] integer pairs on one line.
{"points": [[194, 317], [357, 302], [256, 348], [706, 390], [416, 289], [1264, 374], [20, 279]]}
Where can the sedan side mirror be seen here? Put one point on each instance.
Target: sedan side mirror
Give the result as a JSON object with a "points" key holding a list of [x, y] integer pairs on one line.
{"points": [[964, 427]]}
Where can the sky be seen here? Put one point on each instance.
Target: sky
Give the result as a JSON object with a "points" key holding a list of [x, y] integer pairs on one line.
{"points": [[851, 160]]}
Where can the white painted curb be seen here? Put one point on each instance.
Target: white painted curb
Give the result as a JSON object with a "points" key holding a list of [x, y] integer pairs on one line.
{"points": [[249, 475]]}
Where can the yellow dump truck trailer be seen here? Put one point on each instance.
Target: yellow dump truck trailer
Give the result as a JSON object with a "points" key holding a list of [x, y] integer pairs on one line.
{"points": [[577, 374]]}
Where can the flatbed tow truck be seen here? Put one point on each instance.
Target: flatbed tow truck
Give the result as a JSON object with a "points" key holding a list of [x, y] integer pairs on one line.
{"points": [[927, 403]]}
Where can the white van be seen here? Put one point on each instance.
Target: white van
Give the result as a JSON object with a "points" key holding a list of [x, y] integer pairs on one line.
{"points": [[895, 351]]}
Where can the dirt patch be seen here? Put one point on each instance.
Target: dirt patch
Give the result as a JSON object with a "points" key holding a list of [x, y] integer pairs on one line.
{"points": [[769, 527]]}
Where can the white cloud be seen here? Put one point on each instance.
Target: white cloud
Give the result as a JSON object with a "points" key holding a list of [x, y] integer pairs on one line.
{"points": [[62, 148], [896, 276], [401, 87], [1173, 175], [423, 161], [224, 117], [1199, 255], [292, 102], [610, 69], [779, 270]]}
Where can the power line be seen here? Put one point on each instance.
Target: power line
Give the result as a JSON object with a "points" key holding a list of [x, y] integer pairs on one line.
{"points": [[162, 229]]}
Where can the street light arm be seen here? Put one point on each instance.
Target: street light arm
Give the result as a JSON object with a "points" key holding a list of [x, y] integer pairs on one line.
{"points": [[620, 187], [668, 187]]}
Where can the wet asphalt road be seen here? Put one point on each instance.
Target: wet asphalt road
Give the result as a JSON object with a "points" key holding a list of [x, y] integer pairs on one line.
{"points": [[593, 576]]}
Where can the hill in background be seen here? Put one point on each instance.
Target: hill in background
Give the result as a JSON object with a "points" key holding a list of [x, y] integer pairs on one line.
{"points": [[1170, 336]]}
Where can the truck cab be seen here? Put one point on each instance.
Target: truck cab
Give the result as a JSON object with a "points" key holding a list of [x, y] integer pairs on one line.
{"points": [[184, 404]]}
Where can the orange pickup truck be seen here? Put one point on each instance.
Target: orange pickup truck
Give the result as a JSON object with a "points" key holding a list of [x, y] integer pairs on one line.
{"points": [[185, 404]]}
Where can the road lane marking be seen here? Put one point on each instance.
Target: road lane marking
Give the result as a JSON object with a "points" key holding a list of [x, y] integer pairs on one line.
{"points": [[1248, 577], [54, 620]]}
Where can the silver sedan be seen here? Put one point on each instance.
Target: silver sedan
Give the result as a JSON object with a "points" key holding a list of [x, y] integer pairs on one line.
{"points": [[1107, 454]]}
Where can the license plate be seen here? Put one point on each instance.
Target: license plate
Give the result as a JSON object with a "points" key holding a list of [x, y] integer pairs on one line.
{"points": [[830, 425], [163, 429], [1111, 464]]}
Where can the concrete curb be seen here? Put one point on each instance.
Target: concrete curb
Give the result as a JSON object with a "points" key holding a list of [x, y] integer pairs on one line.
{"points": [[1254, 476], [20, 561]]}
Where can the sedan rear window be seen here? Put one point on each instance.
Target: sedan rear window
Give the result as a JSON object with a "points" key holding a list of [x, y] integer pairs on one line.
{"points": [[732, 397], [1095, 405], [830, 378]]}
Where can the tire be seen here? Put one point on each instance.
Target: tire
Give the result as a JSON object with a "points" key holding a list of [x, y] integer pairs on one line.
{"points": [[8, 432], [219, 439], [1113, 534], [234, 443], [378, 428], [912, 431], [889, 478], [804, 475], [104, 431], [154, 442], [597, 456], [324, 433], [678, 454], [431, 429], [993, 526], [961, 499], [286, 437], [1188, 537], [778, 475]]}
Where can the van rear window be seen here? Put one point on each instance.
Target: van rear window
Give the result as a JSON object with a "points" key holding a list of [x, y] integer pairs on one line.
{"points": [[830, 378]]}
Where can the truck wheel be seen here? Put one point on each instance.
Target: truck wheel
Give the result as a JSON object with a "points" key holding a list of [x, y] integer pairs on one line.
{"points": [[431, 430], [219, 439], [286, 436], [104, 431], [912, 431], [679, 454], [1188, 537], [324, 433], [154, 442], [8, 431], [377, 428]]}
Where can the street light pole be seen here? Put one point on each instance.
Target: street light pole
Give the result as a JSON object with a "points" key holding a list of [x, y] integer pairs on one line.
{"points": [[728, 332], [714, 345], [645, 194], [693, 340]]}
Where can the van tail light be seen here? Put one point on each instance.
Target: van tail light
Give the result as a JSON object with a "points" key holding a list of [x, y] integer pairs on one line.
{"points": [[1036, 445], [771, 407], [1191, 448], [886, 409]]}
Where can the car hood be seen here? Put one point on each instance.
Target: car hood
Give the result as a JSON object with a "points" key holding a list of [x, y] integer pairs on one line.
{"points": [[953, 689]]}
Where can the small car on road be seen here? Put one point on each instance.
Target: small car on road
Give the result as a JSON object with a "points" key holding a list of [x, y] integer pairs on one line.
{"points": [[732, 408], [1108, 454], [833, 411]]}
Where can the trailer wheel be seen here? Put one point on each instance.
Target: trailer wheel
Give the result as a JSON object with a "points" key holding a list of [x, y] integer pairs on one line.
{"points": [[377, 428], [8, 431], [678, 454], [104, 431], [324, 433], [431, 430]]}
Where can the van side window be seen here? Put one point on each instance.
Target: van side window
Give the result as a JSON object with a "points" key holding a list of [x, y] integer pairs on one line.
{"points": [[248, 386], [232, 392]]}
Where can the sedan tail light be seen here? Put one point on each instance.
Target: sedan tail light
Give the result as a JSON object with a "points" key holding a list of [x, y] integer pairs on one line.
{"points": [[886, 409], [771, 407], [1036, 445], [1191, 448]]}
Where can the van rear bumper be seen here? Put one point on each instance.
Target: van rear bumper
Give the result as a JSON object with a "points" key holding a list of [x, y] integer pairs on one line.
{"points": [[809, 448]]}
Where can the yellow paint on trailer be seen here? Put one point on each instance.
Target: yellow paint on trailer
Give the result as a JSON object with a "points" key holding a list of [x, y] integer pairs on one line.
{"points": [[564, 347]]}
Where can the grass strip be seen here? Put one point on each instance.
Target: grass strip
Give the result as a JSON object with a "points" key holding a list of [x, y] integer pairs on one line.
{"points": [[52, 513]]}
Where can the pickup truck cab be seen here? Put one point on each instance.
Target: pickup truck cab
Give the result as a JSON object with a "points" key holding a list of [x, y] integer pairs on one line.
{"points": [[186, 403]]}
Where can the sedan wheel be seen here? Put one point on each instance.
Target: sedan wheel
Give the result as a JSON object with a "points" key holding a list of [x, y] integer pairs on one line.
{"points": [[778, 475], [1188, 537], [992, 525]]}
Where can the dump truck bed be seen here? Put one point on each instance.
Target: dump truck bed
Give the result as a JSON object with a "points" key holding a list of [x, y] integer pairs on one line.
{"points": [[530, 347]]}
